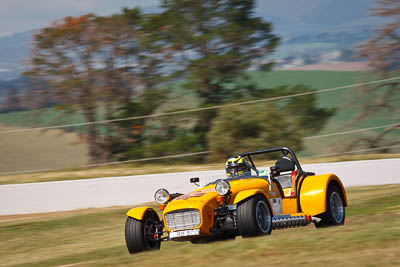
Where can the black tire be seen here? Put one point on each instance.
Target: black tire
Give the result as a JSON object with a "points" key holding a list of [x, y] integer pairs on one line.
{"points": [[254, 217], [139, 235], [335, 211]]}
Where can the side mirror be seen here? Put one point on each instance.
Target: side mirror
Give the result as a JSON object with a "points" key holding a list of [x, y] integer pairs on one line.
{"points": [[195, 180]]}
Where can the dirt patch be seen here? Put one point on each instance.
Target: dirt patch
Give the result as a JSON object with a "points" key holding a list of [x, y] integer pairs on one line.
{"points": [[33, 150]]}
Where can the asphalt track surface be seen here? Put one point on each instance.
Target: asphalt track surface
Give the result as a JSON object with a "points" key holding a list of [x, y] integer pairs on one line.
{"points": [[130, 190]]}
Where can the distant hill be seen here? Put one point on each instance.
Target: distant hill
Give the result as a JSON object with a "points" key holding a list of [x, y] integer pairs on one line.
{"points": [[312, 17], [298, 50], [17, 83], [312, 31], [13, 50]]}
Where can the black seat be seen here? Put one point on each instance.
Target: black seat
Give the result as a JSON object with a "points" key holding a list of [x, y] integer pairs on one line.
{"points": [[282, 177], [285, 164]]}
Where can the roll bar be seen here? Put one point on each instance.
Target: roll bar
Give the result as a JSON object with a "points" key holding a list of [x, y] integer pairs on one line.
{"points": [[284, 151]]}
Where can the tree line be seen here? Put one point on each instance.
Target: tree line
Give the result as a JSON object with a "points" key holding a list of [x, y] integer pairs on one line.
{"points": [[126, 64]]}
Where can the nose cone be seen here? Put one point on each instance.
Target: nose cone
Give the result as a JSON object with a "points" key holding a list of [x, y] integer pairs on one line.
{"points": [[193, 200], [202, 200]]}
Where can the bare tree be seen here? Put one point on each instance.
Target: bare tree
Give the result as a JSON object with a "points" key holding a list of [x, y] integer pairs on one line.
{"points": [[383, 55], [90, 63]]}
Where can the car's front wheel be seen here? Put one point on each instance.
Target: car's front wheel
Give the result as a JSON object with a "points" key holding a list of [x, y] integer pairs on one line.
{"points": [[335, 210], [254, 217], [140, 234]]}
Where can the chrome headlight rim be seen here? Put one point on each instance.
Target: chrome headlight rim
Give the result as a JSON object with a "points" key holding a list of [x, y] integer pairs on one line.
{"points": [[162, 196], [222, 187]]}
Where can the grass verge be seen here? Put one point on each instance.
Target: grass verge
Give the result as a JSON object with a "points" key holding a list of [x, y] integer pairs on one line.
{"points": [[95, 237]]}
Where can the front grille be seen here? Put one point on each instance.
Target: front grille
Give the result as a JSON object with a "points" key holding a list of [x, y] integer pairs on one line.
{"points": [[182, 219]]}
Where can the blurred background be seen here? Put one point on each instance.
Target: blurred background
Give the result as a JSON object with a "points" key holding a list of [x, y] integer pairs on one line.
{"points": [[87, 83], [164, 86]]}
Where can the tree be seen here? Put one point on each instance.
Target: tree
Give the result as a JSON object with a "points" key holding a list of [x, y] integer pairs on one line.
{"points": [[12, 100], [215, 41], [303, 109], [382, 51], [211, 44], [143, 62], [94, 64], [275, 123], [130, 59], [64, 56], [383, 55], [132, 139], [243, 128]]}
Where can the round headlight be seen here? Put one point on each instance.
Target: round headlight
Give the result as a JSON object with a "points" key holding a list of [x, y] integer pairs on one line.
{"points": [[161, 196], [222, 187]]}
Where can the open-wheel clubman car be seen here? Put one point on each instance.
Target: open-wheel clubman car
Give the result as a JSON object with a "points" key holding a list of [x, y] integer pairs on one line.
{"points": [[250, 202]]}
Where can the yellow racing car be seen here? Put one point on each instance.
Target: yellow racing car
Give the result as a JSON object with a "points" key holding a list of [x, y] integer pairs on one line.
{"points": [[249, 202]]}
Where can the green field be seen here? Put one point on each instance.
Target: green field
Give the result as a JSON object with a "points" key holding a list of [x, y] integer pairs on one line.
{"points": [[345, 100], [185, 100], [95, 237]]}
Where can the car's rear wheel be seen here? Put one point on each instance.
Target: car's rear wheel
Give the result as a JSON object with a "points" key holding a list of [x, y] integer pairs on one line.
{"points": [[335, 210], [139, 234], [254, 217]]}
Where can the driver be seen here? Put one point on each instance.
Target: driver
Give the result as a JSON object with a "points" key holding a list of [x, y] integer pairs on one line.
{"points": [[237, 167]]}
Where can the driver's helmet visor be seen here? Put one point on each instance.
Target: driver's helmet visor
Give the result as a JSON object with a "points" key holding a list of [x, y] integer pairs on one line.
{"points": [[236, 171]]}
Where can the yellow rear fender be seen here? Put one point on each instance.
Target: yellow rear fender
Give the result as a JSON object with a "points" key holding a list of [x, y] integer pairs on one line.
{"points": [[313, 193], [139, 213], [245, 194]]}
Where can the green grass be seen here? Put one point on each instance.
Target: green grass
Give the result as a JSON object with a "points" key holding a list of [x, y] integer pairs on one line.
{"points": [[44, 117], [95, 237]]}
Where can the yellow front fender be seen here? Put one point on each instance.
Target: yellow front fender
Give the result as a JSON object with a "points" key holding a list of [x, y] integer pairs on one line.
{"points": [[313, 193], [242, 195], [138, 213]]}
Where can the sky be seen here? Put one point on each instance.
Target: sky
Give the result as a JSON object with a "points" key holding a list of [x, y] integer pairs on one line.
{"points": [[289, 16], [23, 15]]}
